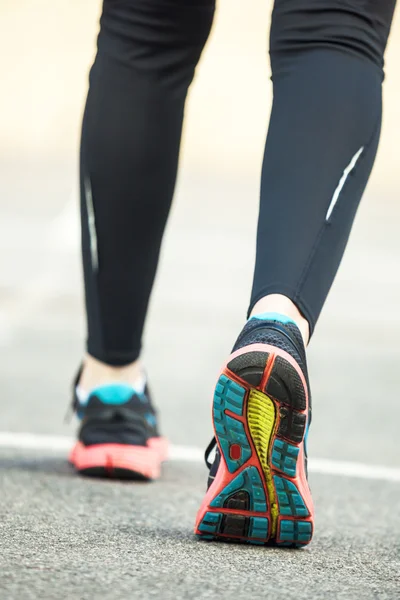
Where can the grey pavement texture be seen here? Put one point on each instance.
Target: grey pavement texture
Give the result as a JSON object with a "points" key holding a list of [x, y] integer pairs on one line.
{"points": [[66, 537], [80, 538]]}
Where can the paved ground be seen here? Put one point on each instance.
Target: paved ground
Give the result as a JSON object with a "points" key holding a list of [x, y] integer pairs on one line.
{"points": [[64, 537], [74, 538]]}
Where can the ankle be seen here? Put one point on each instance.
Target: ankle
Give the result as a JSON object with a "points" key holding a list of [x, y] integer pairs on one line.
{"points": [[96, 373], [283, 305]]}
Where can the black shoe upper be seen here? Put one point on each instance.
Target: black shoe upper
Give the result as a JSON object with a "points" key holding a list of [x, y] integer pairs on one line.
{"points": [[285, 336], [125, 418]]}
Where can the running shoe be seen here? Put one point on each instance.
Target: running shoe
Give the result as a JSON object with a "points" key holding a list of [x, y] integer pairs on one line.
{"points": [[118, 435], [257, 488]]}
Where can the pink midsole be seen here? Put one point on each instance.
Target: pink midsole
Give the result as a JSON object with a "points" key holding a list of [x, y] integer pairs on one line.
{"points": [[142, 459]]}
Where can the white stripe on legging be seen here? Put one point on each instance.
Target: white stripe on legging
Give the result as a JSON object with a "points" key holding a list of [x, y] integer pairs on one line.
{"points": [[91, 223], [342, 181]]}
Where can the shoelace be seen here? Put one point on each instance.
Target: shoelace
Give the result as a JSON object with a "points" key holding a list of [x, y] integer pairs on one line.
{"points": [[73, 405], [208, 451]]}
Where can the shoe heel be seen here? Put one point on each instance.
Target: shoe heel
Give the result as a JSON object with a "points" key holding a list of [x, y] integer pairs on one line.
{"points": [[260, 493]]}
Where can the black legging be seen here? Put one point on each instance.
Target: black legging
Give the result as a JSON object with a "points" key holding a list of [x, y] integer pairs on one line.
{"points": [[327, 61]]}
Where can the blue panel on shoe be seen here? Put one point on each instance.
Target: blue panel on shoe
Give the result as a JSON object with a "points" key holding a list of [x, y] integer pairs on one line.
{"points": [[295, 531], [218, 414], [290, 501], [233, 465], [286, 531], [257, 490], [258, 528], [219, 428], [151, 419], [114, 393], [230, 396], [284, 457], [306, 440], [210, 522], [236, 431], [249, 480], [273, 316], [304, 531], [233, 487]]}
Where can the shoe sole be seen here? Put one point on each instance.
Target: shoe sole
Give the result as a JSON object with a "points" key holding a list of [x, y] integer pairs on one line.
{"points": [[260, 493], [120, 461]]}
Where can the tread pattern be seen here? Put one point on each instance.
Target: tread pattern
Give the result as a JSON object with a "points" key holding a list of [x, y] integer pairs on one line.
{"points": [[292, 424], [230, 395], [249, 366], [261, 420], [290, 500], [258, 528], [295, 532], [210, 523], [248, 480], [253, 530], [235, 526], [284, 457], [285, 385]]}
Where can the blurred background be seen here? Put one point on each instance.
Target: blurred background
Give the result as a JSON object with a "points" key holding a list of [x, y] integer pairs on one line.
{"points": [[203, 287]]}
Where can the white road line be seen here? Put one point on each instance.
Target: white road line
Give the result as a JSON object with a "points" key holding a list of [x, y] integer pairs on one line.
{"points": [[353, 469], [62, 444]]}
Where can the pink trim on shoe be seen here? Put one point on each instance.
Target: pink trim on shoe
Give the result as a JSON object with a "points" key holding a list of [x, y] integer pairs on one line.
{"points": [[141, 460]]}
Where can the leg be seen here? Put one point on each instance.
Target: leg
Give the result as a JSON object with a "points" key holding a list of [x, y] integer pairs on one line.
{"points": [[327, 58], [147, 54]]}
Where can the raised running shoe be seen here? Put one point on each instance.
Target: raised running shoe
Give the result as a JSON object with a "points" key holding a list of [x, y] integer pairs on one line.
{"points": [[257, 488], [118, 435]]}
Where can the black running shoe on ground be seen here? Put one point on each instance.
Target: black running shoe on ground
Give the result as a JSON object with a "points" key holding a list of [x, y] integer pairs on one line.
{"points": [[258, 490], [118, 436]]}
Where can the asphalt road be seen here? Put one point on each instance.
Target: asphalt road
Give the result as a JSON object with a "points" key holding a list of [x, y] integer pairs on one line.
{"points": [[66, 537]]}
